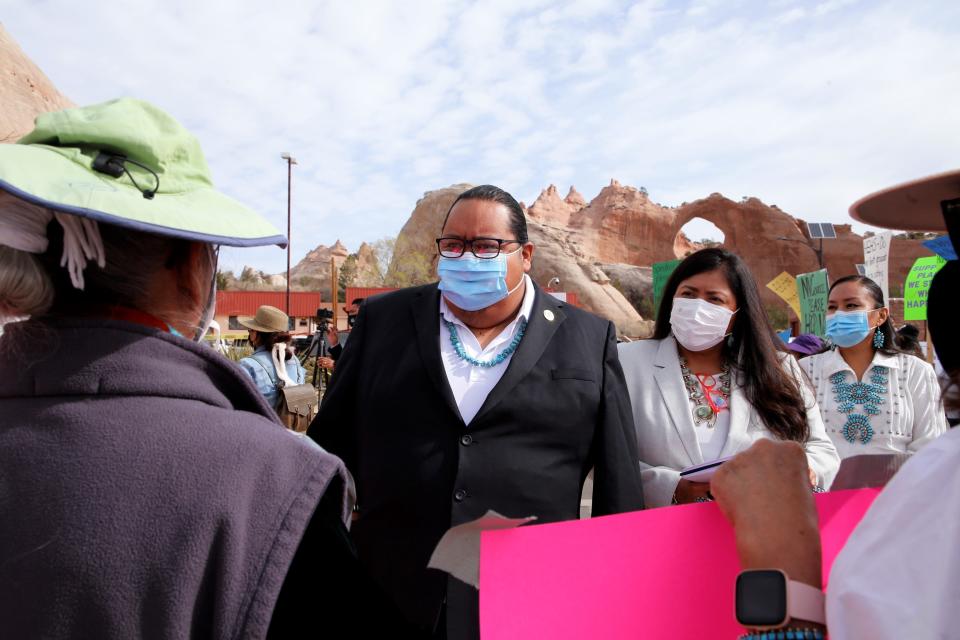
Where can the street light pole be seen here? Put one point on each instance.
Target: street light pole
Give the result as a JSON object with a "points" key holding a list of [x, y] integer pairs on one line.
{"points": [[290, 162]]}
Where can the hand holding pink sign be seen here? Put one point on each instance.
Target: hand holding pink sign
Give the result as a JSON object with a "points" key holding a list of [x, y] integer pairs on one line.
{"points": [[663, 573]]}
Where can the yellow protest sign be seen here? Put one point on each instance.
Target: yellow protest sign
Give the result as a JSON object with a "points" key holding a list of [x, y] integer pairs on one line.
{"points": [[785, 286]]}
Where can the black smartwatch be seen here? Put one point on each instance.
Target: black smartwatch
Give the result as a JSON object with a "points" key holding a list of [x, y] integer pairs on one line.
{"points": [[768, 599]]}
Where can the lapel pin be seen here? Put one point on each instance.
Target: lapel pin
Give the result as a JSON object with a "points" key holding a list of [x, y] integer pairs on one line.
{"points": [[548, 315]]}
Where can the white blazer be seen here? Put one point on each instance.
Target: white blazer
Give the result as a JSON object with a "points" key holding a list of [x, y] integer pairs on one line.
{"points": [[666, 437]]}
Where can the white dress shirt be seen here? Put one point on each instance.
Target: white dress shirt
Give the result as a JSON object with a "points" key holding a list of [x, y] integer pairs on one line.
{"points": [[911, 414], [897, 575], [712, 439], [472, 384]]}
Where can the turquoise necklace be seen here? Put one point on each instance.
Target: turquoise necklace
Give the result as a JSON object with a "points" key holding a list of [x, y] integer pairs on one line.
{"points": [[708, 398], [497, 359], [848, 395]]}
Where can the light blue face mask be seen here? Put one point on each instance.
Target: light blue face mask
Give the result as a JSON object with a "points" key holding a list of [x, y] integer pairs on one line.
{"points": [[473, 283], [848, 328]]}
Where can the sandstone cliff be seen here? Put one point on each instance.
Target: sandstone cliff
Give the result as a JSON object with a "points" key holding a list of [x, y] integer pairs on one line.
{"points": [[602, 250], [26, 92]]}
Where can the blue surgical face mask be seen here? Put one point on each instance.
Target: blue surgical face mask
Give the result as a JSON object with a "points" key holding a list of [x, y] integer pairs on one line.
{"points": [[473, 283], [848, 328]]}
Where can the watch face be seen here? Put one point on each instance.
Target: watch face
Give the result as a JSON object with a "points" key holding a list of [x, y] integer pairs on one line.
{"points": [[761, 598]]}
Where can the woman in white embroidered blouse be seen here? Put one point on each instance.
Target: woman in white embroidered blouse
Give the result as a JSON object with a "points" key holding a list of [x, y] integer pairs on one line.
{"points": [[714, 379], [874, 398]]}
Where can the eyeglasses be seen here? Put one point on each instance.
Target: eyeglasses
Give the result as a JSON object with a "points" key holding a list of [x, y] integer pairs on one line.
{"points": [[485, 248]]}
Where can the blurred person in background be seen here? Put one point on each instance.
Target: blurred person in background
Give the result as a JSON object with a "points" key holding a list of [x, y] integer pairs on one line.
{"points": [[806, 344], [269, 335], [908, 340]]}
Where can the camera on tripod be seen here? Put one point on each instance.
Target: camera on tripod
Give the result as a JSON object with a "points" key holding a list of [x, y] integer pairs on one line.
{"points": [[324, 316]]}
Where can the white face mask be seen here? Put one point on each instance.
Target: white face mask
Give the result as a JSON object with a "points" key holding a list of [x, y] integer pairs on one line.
{"points": [[697, 324]]}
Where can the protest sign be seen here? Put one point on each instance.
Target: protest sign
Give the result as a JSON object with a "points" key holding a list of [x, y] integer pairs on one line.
{"points": [[942, 247], [813, 289], [918, 285], [785, 286], [661, 573], [876, 255], [661, 273]]}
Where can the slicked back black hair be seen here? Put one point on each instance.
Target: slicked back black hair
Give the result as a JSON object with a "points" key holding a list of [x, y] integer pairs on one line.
{"points": [[490, 193]]}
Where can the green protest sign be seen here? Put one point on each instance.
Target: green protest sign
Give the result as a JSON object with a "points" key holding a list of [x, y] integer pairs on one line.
{"points": [[813, 289], [661, 273], [917, 286]]}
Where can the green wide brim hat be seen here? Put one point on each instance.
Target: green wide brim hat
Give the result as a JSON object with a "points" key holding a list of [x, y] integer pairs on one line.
{"points": [[53, 167]]}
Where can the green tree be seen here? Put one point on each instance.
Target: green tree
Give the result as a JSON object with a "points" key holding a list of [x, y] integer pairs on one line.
{"points": [[410, 270], [383, 250], [224, 279], [346, 277]]}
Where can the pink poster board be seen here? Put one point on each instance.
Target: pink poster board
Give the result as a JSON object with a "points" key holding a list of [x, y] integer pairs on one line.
{"points": [[663, 573]]}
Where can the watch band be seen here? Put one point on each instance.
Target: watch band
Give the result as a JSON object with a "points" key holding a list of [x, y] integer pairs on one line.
{"points": [[805, 602]]}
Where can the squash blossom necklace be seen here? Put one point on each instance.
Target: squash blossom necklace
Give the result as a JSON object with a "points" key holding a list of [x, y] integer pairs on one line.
{"points": [[709, 394], [849, 394]]}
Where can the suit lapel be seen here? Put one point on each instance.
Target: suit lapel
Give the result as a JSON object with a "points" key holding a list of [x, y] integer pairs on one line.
{"points": [[670, 382], [426, 319], [539, 332], [740, 413]]}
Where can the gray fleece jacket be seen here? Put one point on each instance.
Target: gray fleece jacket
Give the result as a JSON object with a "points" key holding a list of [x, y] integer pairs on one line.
{"points": [[146, 488]]}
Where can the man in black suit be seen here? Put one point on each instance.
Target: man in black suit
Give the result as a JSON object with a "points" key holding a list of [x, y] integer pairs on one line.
{"points": [[480, 392]]}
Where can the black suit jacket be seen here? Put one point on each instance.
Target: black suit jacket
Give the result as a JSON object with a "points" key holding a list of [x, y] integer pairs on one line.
{"points": [[560, 409]]}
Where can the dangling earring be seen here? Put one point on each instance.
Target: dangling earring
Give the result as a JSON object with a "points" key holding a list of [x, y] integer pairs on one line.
{"points": [[878, 339]]}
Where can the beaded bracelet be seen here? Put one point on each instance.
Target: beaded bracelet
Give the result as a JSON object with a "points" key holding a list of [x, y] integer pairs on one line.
{"points": [[803, 633]]}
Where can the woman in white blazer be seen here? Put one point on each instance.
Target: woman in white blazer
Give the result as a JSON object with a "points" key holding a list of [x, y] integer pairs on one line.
{"points": [[714, 379]]}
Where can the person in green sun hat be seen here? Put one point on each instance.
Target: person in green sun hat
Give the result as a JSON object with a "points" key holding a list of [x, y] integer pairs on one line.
{"points": [[146, 487]]}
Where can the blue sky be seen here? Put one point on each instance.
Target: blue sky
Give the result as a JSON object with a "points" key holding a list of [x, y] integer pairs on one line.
{"points": [[807, 105]]}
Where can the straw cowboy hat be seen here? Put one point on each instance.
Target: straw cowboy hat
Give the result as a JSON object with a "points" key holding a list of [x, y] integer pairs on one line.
{"points": [[267, 320]]}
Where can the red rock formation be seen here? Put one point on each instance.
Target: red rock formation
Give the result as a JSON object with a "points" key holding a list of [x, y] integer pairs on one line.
{"points": [[574, 199], [753, 230], [26, 91], [551, 210], [368, 269], [622, 225]]}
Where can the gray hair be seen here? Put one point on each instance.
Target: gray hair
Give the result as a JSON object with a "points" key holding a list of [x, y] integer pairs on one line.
{"points": [[25, 287], [35, 285]]}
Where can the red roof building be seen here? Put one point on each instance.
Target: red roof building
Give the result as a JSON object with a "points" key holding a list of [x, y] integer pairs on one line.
{"points": [[233, 304], [352, 293], [245, 303]]}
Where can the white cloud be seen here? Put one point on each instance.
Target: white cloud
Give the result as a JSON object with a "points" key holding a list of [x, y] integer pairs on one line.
{"points": [[804, 105]]}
